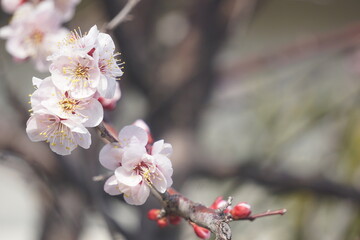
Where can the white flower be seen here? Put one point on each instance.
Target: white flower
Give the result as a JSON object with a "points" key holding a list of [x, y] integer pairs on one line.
{"points": [[76, 42], [161, 151], [136, 170], [86, 111], [79, 74], [111, 154], [110, 103], [108, 64], [98, 46], [10, 6], [66, 7], [62, 135], [34, 32]]}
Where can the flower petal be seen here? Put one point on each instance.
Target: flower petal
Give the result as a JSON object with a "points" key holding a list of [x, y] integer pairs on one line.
{"points": [[160, 147], [111, 186], [34, 128], [138, 195], [132, 156], [111, 156], [130, 135], [94, 112], [159, 181], [126, 177]]}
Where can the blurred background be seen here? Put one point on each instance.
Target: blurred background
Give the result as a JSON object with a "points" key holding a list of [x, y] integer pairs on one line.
{"points": [[260, 100]]}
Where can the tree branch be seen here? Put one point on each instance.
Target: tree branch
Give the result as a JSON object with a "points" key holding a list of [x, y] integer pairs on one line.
{"points": [[121, 17]]}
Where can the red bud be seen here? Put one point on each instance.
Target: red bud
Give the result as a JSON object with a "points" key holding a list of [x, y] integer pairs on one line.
{"points": [[174, 220], [153, 214], [218, 203], [162, 222], [241, 210], [201, 232]]}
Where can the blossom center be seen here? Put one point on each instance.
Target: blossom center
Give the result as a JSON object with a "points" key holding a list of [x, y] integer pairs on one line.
{"points": [[78, 73], [57, 133], [37, 37], [146, 171], [69, 105], [82, 71], [73, 37], [105, 65]]}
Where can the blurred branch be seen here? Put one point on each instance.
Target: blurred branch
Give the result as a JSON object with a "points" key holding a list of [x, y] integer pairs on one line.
{"points": [[341, 38], [121, 16], [193, 85], [279, 181], [115, 227], [11, 94]]}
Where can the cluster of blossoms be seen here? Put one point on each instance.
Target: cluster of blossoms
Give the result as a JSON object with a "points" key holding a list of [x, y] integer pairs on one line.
{"points": [[36, 28], [83, 77], [83, 69], [241, 210], [138, 164]]}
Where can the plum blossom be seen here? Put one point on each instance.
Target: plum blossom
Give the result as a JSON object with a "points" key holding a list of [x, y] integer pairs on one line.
{"points": [[61, 120], [76, 73], [136, 169], [63, 135], [110, 103], [34, 32], [85, 64], [87, 111], [66, 103], [108, 64], [111, 154], [66, 7], [76, 41], [10, 6]]}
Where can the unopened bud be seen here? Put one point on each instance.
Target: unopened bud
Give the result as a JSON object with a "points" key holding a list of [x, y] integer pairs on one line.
{"points": [[162, 222], [153, 214], [174, 220], [241, 210], [218, 203], [201, 232]]}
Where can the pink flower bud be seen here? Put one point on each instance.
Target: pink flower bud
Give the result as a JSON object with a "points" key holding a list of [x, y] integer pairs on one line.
{"points": [[162, 222], [174, 220], [218, 203], [153, 214], [201, 232], [241, 210]]}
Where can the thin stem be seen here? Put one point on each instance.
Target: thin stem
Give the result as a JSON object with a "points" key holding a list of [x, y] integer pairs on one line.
{"points": [[157, 194], [121, 16], [105, 133], [265, 214]]}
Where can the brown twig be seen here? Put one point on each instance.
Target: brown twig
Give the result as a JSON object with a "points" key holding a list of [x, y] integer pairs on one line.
{"points": [[122, 15], [265, 214], [104, 133]]}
